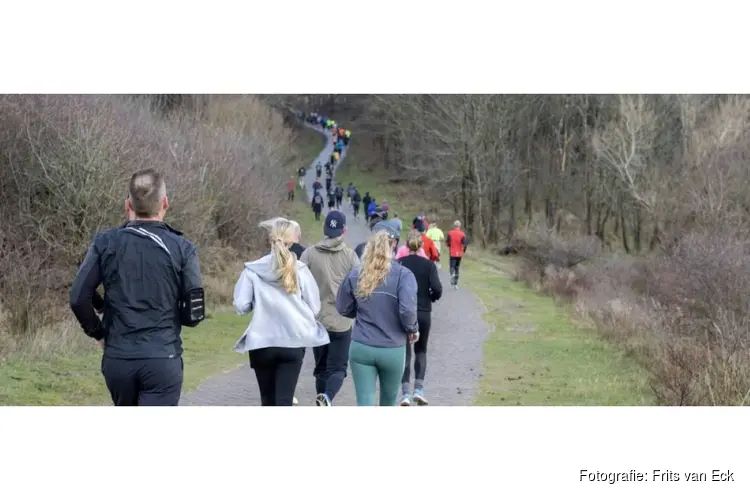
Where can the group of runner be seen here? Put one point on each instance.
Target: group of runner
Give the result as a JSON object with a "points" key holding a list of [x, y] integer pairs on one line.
{"points": [[365, 320], [367, 310]]}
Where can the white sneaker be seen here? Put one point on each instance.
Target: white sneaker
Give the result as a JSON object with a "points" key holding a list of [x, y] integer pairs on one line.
{"points": [[294, 401]]}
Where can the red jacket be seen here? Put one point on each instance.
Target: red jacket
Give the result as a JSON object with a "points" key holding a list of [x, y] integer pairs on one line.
{"points": [[456, 241], [429, 248]]}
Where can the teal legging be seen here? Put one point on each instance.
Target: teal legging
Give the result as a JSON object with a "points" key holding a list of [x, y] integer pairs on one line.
{"points": [[371, 364]]}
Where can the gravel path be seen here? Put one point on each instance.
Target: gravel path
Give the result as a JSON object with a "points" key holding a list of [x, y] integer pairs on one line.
{"points": [[454, 356]]}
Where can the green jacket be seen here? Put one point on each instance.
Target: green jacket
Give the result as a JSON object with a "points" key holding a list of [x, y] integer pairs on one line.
{"points": [[330, 262]]}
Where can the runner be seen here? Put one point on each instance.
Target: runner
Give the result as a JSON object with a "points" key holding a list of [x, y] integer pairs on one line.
{"points": [[301, 172], [291, 186], [377, 224], [371, 208], [427, 244], [339, 196], [366, 199], [356, 200], [349, 192], [404, 251], [329, 182], [317, 186], [331, 199], [347, 137], [397, 223], [318, 170], [317, 204], [272, 287], [295, 247], [437, 237], [382, 295], [330, 261], [429, 290], [456, 242]]}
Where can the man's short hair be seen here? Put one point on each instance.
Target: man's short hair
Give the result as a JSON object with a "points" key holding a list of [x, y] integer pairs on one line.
{"points": [[146, 190], [457, 223]]}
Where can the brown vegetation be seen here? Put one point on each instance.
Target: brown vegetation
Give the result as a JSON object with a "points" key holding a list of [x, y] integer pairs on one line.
{"points": [[63, 176], [633, 207]]}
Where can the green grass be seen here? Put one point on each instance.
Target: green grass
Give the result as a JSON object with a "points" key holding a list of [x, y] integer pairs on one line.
{"points": [[77, 380], [537, 354]]}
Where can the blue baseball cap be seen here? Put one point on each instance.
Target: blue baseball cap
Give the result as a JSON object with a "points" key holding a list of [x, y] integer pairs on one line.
{"points": [[335, 224]]}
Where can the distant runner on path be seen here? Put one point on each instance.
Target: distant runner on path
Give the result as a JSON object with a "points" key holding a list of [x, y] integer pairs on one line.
{"points": [[437, 236], [317, 204], [456, 242], [356, 201]]}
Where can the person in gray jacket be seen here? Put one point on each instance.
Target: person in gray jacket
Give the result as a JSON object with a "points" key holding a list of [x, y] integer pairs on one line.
{"points": [[382, 295]]}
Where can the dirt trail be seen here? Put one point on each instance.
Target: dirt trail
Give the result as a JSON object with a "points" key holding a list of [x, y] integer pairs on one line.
{"points": [[454, 355]]}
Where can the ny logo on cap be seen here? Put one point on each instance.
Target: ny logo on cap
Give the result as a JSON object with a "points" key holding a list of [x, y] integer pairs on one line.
{"points": [[333, 223]]}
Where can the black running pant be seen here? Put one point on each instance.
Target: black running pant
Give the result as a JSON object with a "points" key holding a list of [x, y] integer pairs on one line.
{"points": [[277, 371], [455, 264], [144, 382], [331, 363], [424, 318]]}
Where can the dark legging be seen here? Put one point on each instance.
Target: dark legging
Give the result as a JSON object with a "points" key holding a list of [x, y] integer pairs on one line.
{"points": [[420, 353], [277, 370]]}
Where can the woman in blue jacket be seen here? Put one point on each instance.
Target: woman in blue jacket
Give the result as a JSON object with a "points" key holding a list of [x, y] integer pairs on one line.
{"points": [[382, 295]]}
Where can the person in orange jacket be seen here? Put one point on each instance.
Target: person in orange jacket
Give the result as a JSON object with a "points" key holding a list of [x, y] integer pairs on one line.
{"points": [[427, 244], [456, 241]]}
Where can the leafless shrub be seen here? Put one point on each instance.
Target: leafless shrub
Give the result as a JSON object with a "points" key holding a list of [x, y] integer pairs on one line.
{"points": [[64, 170]]}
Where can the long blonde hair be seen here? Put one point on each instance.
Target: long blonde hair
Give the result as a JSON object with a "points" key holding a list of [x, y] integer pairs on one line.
{"points": [[281, 234], [414, 240], [376, 263]]}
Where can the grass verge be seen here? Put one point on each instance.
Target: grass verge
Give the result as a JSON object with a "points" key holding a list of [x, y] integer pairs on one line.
{"points": [[537, 353], [77, 379]]}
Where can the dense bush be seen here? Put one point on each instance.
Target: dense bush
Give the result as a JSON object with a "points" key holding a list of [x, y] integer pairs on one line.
{"points": [[65, 164]]}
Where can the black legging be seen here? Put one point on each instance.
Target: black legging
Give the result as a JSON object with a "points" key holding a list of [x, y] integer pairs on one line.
{"points": [[424, 318]]}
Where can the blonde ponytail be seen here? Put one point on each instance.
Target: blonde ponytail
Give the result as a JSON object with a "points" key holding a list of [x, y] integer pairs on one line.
{"points": [[281, 234], [376, 263]]}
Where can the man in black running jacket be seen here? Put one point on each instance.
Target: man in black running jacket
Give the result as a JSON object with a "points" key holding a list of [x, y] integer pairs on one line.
{"points": [[152, 288]]}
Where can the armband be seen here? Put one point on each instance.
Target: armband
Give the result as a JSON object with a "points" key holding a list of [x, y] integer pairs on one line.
{"points": [[192, 307]]}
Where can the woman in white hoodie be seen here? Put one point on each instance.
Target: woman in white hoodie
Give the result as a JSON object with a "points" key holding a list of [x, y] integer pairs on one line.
{"points": [[284, 298]]}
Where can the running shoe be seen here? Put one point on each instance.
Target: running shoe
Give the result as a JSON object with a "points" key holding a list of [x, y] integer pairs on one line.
{"points": [[405, 401], [419, 397], [294, 401], [323, 400]]}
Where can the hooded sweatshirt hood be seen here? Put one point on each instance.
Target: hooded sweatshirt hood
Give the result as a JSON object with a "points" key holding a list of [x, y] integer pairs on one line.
{"points": [[331, 245], [265, 268]]}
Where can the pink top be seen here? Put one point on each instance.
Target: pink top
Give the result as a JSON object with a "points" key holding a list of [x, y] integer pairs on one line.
{"points": [[403, 251]]}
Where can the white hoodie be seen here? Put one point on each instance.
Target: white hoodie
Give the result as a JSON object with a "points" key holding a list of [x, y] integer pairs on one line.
{"points": [[279, 319]]}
